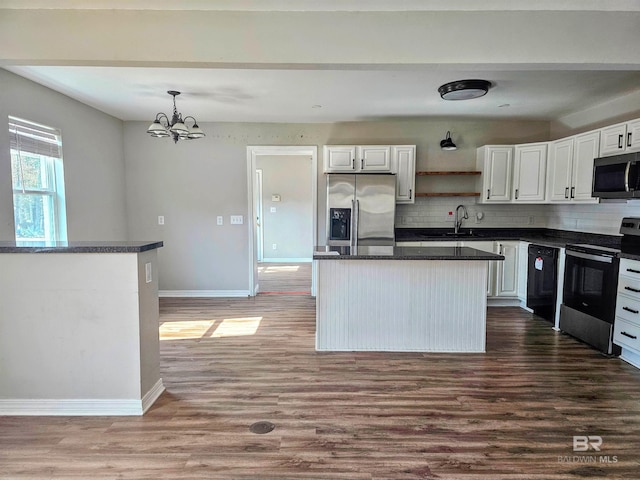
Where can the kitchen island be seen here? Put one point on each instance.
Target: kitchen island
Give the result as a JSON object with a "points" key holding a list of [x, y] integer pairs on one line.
{"points": [[79, 328], [411, 299]]}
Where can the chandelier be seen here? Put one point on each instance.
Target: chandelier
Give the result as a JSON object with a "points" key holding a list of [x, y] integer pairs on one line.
{"points": [[176, 127]]}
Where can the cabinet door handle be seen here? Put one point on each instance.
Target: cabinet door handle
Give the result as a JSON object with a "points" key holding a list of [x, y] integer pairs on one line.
{"points": [[566, 192], [628, 335], [632, 270], [488, 193], [629, 139], [630, 310], [353, 164], [362, 164], [573, 192], [516, 193], [631, 289], [620, 141]]}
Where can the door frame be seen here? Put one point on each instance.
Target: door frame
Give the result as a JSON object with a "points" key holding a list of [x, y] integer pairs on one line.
{"points": [[258, 216], [253, 152]]}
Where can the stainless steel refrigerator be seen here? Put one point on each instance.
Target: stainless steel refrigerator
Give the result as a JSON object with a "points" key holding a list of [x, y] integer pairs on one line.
{"points": [[361, 209]]}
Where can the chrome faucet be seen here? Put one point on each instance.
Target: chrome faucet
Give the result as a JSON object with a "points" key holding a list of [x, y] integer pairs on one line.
{"points": [[457, 220]]}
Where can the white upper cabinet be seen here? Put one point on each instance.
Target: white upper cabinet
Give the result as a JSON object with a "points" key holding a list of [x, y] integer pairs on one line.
{"points": [[620, 138], [352, 158], [559, 170], [530, 172], [570, 168], [340, 158], [374, 158], [585, 150], [403, 164], [495, 162]]}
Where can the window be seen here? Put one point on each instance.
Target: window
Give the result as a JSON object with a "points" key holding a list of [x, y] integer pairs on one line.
{"points": [[38, 182]]}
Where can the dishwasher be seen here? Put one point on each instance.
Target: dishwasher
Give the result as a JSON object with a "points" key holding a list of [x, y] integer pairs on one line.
{"points": [[542, 281]]}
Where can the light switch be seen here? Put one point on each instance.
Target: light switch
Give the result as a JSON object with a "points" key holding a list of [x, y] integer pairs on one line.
{"points": [[160, 219], [236, 220], [147, 272], [275, 198], [220, 220], [273, 210]]}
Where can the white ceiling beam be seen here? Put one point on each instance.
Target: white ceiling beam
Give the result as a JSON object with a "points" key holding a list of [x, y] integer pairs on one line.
{"points": [[585, 40]]}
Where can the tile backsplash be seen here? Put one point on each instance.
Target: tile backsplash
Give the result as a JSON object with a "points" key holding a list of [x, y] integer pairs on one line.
{"points": [[594, 218]]}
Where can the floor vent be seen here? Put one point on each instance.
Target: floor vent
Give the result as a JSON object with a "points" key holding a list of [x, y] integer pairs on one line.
{"points": [[262, 427]]}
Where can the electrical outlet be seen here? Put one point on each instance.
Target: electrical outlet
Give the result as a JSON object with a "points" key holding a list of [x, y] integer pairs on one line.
{"points": [[272, 209], [236, 220], [160, 219], [219, 220], [449, 217], [274, 246]]}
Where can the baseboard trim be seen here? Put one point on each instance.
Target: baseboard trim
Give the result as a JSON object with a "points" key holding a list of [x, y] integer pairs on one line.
{"points": [[203, 293], [503, 302], [70, 407], [286, 260], [152, 395]]}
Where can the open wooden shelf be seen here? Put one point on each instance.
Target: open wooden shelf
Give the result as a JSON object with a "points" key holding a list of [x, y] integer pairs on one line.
{"points": [[448, 194], [451, 172]]}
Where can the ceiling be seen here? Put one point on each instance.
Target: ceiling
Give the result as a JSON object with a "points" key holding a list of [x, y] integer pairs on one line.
{"points": [[261, 95], [325, 92]]}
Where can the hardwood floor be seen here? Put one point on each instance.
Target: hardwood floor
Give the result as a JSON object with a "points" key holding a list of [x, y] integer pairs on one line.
{"points": [[284, 278], [508, 414]]}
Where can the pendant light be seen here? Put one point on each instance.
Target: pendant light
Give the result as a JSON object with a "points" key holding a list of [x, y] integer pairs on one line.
{"points": [[176, 127], [447, 143], [464, 89]]}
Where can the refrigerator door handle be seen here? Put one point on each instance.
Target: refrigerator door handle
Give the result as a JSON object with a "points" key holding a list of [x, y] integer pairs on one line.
{"points": [[353, 209], [357, 220]]}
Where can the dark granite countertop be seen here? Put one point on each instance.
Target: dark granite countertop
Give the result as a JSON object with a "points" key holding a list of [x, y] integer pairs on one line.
{"points": [[402, 253], [78, 247], [540, 236]]}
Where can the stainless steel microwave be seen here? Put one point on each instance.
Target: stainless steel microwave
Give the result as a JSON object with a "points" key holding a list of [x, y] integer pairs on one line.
{"points": [[617, 176]]}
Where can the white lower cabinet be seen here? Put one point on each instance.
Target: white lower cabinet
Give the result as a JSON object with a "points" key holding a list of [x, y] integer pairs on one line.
{"points": [[502, 278], [626, 331], [485, 247], [503, 275], [523, 264]]}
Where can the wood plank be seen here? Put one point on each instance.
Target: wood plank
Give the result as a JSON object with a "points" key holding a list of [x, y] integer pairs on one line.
{"points": [[507, 414]]}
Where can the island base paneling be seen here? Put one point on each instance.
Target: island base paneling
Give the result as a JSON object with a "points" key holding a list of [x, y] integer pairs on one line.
{"points": [[415, 305]]}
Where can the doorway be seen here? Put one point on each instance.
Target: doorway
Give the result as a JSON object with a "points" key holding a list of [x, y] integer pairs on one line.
{"points": [[282, 188]]}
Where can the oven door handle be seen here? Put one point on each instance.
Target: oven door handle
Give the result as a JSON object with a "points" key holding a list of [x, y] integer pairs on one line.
{"points": [[589, 256]]}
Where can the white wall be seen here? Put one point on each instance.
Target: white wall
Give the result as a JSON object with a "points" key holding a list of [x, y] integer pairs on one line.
{"points": [[191, 183], [93, 159], [290, 227]]}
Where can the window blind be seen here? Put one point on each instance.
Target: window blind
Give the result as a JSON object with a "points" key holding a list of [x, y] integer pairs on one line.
{"points": [[30, 137]]}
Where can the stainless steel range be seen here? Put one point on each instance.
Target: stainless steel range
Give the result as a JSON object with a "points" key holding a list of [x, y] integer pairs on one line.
{"points": [[590, 287], [589, 295]]}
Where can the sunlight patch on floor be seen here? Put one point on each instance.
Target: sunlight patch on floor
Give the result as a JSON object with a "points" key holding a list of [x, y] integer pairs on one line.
{"points": [[237, 327], [282, 268], [184, 330]]}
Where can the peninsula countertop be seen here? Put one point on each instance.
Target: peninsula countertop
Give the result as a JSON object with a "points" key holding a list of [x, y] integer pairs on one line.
{"points": [[401, 253], [79, 247]]}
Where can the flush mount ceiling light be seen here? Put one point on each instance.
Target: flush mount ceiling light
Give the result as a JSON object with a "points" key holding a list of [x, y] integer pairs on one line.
{"points": [[464, 89], [176, 127], [447, 143]]}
